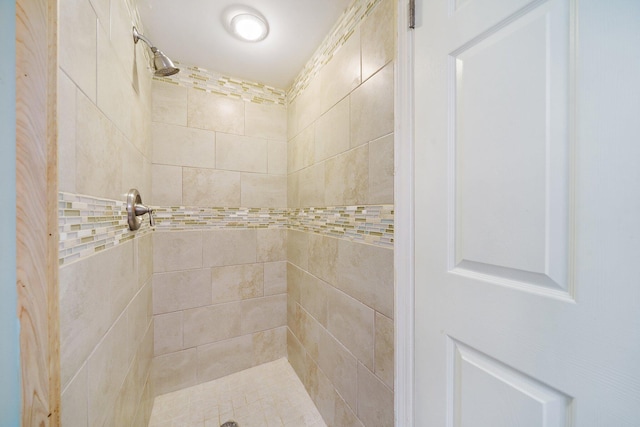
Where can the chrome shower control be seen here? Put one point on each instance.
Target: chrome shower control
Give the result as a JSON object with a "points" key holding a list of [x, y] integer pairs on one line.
{"points": [[135, 208]]}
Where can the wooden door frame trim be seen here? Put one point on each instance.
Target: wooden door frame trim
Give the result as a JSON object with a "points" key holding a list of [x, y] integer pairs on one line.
{"points": [[404, 221], [36, 210]]}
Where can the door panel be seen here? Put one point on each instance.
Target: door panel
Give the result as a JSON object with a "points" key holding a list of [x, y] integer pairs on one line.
{"points": [[476, 380], [527, 213], [510, 203]]}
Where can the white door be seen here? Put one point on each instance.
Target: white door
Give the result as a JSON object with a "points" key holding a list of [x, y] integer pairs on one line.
{"points": [[527, 213]]}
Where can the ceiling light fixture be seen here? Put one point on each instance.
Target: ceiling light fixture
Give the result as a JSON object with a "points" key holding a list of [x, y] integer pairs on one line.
{"points": [[249, 26]]}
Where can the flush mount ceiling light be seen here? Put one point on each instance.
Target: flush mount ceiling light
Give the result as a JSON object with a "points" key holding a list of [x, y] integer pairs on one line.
{"points": [[246, 24], [249, 27]]}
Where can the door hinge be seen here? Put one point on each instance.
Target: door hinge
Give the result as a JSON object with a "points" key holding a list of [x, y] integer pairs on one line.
{"points": [[412, 14]]}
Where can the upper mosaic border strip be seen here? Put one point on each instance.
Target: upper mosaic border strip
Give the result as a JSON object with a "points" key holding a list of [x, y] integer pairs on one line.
{"points": [[216, 83], [88, 224], [212, 82], [337, 37]]}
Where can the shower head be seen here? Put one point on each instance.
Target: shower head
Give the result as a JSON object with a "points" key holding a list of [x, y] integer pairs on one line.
{"points": [[162, 65]]}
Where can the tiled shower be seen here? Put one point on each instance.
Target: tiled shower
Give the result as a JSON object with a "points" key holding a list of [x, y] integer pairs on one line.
{"points": [[274, 221]]}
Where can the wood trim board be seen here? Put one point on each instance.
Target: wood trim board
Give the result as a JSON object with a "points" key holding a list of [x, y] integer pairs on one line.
{"points": [[36, 210]]}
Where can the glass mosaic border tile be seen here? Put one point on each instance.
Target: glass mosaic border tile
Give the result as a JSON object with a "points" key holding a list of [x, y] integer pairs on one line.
{"points": [[89, 224], [189, 218], [212, 82], [337, 37], [367, 224]]}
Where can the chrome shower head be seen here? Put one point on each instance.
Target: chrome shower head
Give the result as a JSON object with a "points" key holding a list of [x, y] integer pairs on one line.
{"points": [[162, 65]]}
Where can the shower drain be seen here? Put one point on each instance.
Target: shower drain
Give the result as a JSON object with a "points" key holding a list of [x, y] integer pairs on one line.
{"points": [[230, 424]]}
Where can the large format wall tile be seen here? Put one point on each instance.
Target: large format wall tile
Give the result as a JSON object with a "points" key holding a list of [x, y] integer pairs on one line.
{"points": [[241, 153], [323, 256], [177, 251], [89, 305], [372, 107], [277, 158], [312, 186], [301, 150], [347, 178], [180, 290], [342, 74], [263, 190], [166, 182], [352, 323], [229, 247], [266, 121], [183, 146], [223, 358], [263, 313], [340, 366], [375, 400], [66, 134], [315, 297], [167, 336], [78, 44], [332, 131], [378, 38], [381, 170], [211, 323], [169, 103], [98, 143], [210, 187], [73, 404], [384, 357], [174, 371], [214, 112], [107, 369], [269, 345], [237, 282], [307, 107], [271, 244], [366, 273], [275, 278]]}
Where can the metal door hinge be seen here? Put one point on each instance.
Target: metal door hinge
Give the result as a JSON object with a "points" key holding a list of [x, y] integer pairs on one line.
{"points": [[412, 14]]}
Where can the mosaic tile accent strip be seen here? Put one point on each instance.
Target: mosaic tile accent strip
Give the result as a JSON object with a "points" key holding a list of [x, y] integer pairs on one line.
{"points": [[212, 82], [367, 224], [88, 225], [337, 37], [188, 218]]}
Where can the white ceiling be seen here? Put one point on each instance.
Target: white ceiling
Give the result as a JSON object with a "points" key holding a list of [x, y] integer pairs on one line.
{"points": [[192, 32]]}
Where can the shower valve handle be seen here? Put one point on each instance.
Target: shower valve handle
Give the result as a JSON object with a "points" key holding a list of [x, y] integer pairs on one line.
{"points": [[135, 208], [141, 209]]}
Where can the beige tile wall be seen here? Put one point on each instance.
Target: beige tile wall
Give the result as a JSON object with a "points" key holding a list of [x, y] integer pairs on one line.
{"points": [[225, 300], [106, 337], [105, 300], [213, 150], [219, 296], [340, 128], [340, 293], [219, 303]]}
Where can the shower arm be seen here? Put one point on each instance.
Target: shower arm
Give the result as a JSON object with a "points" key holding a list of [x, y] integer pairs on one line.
{"points": [[137, 36]]}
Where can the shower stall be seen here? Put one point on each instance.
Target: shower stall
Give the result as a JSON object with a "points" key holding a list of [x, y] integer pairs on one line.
{"points": [[273, 208]]}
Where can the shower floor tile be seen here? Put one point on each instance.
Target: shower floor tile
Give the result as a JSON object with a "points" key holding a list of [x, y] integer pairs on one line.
{"points": [[269, 395]]}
